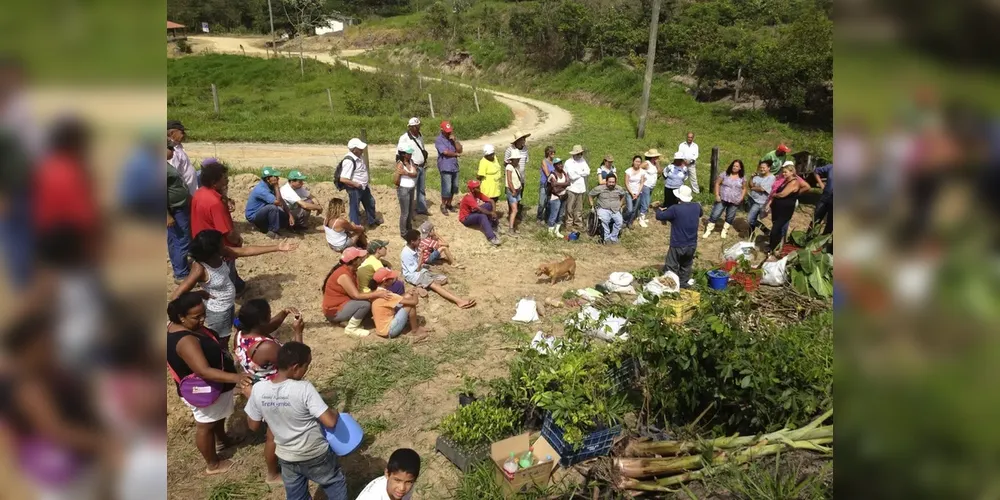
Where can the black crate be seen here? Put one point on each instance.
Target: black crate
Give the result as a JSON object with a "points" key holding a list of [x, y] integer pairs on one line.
{"points": [[595, 444], [462, 459], [623, 377]]}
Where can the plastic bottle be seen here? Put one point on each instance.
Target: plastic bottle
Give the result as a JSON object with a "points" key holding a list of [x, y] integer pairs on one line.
{"points": [[527, 460], [510, 466]]}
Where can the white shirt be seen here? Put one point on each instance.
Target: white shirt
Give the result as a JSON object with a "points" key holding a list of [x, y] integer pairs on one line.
{"points": [[651, 175], [292, 195], [690, 151], [408, 182], [291, 409], [417, 145], [360, 171], [577, 172], [377, 489], [515, 177], [635, 179], [182, 163]]}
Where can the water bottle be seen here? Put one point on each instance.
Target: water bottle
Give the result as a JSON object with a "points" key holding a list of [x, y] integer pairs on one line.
{"points": [[510, 466], [527, 459]]}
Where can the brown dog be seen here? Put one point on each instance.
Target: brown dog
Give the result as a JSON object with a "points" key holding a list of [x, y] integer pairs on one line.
{"points": [[556, 270]]}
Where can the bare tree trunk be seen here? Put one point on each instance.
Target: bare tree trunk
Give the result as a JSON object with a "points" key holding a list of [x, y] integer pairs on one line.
{"points": [[302, 64], [739, 84], [647, 82]]}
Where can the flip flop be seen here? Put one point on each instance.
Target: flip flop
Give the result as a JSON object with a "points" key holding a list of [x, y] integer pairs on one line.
{"points": [[224, 466]]}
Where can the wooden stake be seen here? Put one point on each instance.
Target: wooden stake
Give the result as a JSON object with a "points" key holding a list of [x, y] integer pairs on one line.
{"points": [[364, 139], [430, 101], [475, 96], [215, 99], [329, 98], [714, 169]]}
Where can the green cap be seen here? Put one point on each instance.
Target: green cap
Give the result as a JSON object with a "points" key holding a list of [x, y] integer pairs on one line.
{"points": [[407, 149], [374, 245], [295, 175], [270, 172]]}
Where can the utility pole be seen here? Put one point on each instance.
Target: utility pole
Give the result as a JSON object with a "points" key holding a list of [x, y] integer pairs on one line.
{"points": [[647, 82], [274, 41]]}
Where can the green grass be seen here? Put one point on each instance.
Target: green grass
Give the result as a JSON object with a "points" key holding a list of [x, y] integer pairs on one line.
{"points": [[367, 372], [768, 479], [267, 100], [242, 490], [375, 426]]}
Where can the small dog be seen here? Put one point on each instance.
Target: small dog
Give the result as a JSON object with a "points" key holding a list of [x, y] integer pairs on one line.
{"points": [[556, 270]]}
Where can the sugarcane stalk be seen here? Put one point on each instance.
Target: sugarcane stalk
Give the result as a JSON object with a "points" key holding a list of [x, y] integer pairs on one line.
{"points": [[680, 447], [643, 467]]}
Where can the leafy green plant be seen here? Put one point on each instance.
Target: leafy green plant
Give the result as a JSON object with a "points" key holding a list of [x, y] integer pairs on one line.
{"points": [[811, 272], [777, 481], [480, 423]]}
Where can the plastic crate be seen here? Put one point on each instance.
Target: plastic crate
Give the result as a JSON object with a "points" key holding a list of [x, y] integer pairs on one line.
{"points": [[623, 377], [595, 444]]}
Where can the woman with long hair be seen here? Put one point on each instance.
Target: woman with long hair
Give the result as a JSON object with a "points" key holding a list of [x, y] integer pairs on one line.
{"points": [[634, 186], [730, 190], [257, 353], [342, 300], [406, 185], [341, 233], [557, 183]]}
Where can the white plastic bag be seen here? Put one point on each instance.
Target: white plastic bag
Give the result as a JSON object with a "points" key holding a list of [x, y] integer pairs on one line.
{"points": [[741, 250], [526, 312], [656, 289], [775, 273], [590, 322], [620, 283], [543, 343]]}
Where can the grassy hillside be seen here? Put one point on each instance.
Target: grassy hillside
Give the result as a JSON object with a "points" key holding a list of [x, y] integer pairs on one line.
{"points": [[267, 100]]}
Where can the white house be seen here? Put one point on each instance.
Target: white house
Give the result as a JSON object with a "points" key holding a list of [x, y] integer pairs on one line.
{"points": [[333, 25]]}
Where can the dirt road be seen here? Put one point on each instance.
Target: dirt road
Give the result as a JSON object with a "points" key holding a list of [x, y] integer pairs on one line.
{"points": [[538, 118]]}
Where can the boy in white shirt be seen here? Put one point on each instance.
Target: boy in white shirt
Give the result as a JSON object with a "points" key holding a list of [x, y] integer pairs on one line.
{"points": [[400, 475], [299, 200]]}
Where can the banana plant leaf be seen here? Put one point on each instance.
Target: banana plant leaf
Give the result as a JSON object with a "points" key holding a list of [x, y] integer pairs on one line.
{"points": [[821, 284]]}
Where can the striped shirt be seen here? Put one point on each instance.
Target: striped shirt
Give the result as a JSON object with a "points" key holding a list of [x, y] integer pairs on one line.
{"points": [[521, 167]]}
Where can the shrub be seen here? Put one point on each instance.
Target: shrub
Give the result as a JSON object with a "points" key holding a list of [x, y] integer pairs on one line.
{"points": [[480, 423]]}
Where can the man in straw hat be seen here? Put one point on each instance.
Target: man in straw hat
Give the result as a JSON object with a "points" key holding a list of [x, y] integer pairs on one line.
{"points": [[577, 170], [520, 145], [683, 217]]}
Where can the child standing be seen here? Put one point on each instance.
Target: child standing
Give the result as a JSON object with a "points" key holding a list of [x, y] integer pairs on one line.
{"points": [[293, 410], [401, 474]]}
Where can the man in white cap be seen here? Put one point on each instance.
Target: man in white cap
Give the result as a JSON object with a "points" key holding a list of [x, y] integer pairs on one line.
{"points": [[415, 140], [520, 145], [684, 218], [689, 150], [352, 175], [577, 169]]}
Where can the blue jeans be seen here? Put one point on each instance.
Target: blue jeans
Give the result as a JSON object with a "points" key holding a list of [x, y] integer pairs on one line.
{"points": [[323, 470], [607, 217], [178, 241], [422, 190], [356, 197], [753, 213], [717, 209], [554, 208], [644, 197], [270, 218], [449, 184], [631, 208], [16, 236], [543, 206], [433, 257], [399, 322]]}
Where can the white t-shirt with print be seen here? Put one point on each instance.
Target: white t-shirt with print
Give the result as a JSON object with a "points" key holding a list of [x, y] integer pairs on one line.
{"points": [[291, 409], [378, 489]]}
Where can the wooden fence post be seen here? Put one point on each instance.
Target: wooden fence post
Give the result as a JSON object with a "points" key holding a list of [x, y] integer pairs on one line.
{"points": [[475, 96], [430, 100], [364, 139], [329, 98], [714, 170], [215, 99]]}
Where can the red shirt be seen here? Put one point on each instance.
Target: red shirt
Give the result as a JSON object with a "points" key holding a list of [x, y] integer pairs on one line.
{"points": [[63, 195], [469, 203], [426, 248], [208, 211]]}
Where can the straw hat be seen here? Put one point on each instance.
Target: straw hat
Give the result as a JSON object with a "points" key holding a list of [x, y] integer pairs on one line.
{"points": [[652, 153], [608, 157], [577, 149], [518, 135]]}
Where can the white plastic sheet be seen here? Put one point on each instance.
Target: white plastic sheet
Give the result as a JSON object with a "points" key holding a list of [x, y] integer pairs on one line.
{"points": [[527, 311], [610, 328], [741, 250]]}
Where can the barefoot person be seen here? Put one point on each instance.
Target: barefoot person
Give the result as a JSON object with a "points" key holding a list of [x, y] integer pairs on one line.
{"points": [[340, 232], [394, 313], [342, 300], [257, 353], [294, 410], [194, 349], [417, 276]]}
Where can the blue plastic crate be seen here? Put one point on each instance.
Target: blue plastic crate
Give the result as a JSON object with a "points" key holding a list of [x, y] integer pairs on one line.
{"points": [[595, 444]]}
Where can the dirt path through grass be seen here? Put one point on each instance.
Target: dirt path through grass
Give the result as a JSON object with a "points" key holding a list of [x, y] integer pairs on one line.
{"points": [[539, 118]]}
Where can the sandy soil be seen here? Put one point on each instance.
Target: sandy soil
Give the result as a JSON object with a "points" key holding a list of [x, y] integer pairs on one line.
{"points": [[496, 277], [538, 118]]}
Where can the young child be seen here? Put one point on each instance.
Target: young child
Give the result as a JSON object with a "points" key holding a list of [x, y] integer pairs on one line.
{"points": [[294, 411], [401, 474], [393, 313], [433, 248]]}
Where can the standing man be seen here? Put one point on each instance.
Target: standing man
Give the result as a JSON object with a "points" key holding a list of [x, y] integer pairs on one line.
{"points": [[683, 217], [177, 133], [210, 210], [354, 178], [449, 150], [689, 150], [415, 140], [824, 208], [577, 170], [299, 201], [178, 220], [777, 158], [265, 209], [610, 198], [519, 144]]}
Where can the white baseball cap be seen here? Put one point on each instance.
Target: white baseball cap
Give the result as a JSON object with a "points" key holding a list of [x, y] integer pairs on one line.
{"points": [[515, 155], [413, 122], [488, 149], [679, 156], [788, 163], [356, 143]]}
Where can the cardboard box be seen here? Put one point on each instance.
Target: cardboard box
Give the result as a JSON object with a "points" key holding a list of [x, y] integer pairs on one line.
{"points": [[524, 479]]}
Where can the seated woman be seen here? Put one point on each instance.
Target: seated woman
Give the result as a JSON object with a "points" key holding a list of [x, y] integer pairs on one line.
{"points": [[342, 300], [257, 354], [341, 233], [477, 210]]}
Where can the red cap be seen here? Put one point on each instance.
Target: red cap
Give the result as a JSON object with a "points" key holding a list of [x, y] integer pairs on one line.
{"points": [[446, 127], [383, 274], [783, 149], [473, 184]]}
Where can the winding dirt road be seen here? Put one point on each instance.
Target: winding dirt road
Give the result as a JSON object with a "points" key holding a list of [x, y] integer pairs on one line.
{"points": [[538, 118]]}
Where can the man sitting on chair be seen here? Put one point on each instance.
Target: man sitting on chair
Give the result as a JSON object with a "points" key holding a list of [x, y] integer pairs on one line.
{"points": [[610, 200]]}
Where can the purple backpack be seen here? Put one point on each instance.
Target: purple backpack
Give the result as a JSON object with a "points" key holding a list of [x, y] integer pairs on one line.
{"points": [[197, 391]]}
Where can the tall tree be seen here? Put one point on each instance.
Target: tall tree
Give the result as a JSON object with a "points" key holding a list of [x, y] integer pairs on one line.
{"points": [[304, 15]]}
